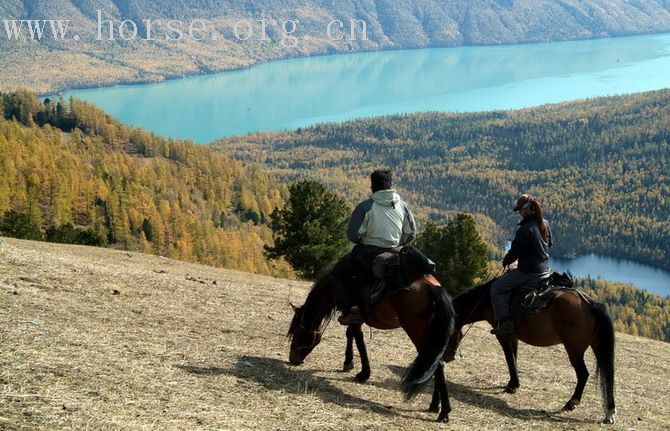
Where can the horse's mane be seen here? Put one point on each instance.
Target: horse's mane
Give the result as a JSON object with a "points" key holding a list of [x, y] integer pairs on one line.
{"points": [[319, 307]]}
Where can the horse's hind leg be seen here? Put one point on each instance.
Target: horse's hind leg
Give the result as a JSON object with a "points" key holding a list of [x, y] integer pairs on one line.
{"points": [[577, 361], [441, 389], [510, 347], [349, 351], [364, 375], [435, 401]]}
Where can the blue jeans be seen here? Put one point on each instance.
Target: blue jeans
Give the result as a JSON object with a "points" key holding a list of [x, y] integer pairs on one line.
{"points": [[502, 288]]}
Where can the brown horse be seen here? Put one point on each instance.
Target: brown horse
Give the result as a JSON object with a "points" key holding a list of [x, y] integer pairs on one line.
{"points": [[423, 310], [570, 319]]}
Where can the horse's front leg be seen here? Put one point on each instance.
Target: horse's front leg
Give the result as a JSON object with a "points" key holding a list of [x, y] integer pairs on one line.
{"points": [[364, 375], [349, 351], [510, 347]]}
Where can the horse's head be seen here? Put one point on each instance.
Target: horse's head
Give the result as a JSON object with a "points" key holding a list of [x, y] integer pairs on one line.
{"points": [[452, 346], [310, 320], [305, 334]]}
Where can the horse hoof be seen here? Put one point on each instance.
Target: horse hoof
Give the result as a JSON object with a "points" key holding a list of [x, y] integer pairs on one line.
{"points": [[570, 405], [509, 390], [444, 418], [433, 409], [362, 377], [608, 420], [347, 367]]}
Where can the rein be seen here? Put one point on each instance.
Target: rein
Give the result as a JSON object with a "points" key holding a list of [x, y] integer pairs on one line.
{"points": [[471, 324], [502, 271]]}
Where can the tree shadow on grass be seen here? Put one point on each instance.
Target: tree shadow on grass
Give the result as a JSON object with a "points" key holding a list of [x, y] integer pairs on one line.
{"points": [[277, 375], [476, 396]]}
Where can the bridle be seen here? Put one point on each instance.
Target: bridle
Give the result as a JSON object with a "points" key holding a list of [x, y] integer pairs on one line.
{"points": [[315, 334]]}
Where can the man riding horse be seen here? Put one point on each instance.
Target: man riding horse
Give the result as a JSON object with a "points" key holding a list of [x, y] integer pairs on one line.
{"points": [[531, 248], [378, 224]]}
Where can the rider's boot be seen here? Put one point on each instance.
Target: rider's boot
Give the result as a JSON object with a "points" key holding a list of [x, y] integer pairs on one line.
{"points": [[504, 327]]}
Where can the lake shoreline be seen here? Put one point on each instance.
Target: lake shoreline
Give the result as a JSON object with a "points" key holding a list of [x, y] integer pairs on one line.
{"points": [[58, 91]]}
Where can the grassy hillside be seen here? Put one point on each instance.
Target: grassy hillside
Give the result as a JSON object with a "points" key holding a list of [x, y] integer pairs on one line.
{"points": [[600, 167], [49, 65], [97, 339]]}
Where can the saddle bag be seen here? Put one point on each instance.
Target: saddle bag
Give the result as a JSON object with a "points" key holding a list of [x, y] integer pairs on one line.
{"points": [[414, 262], [562, 280]]}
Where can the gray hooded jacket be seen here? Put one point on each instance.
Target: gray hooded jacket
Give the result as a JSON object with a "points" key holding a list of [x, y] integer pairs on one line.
{"points": [[384, 220]]}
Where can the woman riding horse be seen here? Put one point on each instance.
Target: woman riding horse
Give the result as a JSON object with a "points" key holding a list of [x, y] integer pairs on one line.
{"points": [[531, 248]]}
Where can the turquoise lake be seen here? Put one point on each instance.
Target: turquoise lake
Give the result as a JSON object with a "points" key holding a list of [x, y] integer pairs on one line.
{"points": [[646, 277], [299, 92], [294, 93]]}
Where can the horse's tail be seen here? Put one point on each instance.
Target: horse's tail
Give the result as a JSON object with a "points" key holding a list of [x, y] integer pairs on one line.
{"points": [[603, 347], [430, 354]]}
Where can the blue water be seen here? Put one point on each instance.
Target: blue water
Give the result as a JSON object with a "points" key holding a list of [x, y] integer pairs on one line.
{"points": [[293, 93], [646, 277]]}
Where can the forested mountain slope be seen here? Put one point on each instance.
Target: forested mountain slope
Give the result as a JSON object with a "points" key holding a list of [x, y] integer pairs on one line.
{"points": [[601, 167], [68, 164], [47, 64]]}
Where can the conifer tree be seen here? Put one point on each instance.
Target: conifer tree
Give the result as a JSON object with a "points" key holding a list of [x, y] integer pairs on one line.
{"points": [[19, 225], [458, 250], [310, 231]]}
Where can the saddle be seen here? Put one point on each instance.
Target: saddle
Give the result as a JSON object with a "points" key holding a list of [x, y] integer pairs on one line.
{"points": [[535, 296], [393, 271]]}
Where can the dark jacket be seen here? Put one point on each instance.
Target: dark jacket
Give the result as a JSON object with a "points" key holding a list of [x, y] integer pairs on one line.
{"points": [[530, 248]]}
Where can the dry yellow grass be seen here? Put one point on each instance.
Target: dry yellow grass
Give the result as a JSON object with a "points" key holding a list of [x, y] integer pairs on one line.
{"points": [[185, 346]]}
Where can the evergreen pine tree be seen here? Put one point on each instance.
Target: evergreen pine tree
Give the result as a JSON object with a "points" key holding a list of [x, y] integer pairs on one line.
{"points": [[19, 225], [458, 250], [310, 231]]}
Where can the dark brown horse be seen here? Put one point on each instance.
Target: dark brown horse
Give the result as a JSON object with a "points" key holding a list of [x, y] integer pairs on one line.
{"points": [[424, 311], [570, 319]]}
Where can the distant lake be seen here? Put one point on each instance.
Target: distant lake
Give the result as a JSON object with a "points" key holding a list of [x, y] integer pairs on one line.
{"points": [[646, 277], [643, 276], [293, 93]]}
